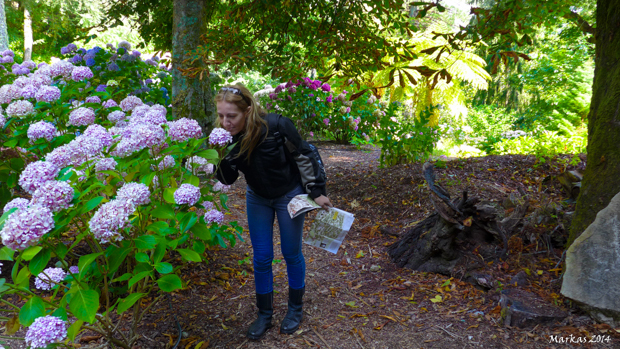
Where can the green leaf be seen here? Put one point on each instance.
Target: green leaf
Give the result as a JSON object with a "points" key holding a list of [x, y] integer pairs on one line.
{"points": [[164, 268], [32, 310], [224, 200], [169, 283], [208, 154], [138, 277], [116, 256], [30, 252], [142, 257], [123, 277], [189, 255], [84, 305], [163, 212], [60, 313], [85, 261], [157, 227], [199, 247], [92, 203], [39, 262], [169, 195], [193, 180], [160, 251], [74, 329], [148, 179], [128, 301], [6, 254], [201, 231], [188, 221], [23, 276], [145, 242], [61, 251]]}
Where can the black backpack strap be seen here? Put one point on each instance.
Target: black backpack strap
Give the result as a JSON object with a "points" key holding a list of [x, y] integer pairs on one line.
{"points": [[273, 122]]}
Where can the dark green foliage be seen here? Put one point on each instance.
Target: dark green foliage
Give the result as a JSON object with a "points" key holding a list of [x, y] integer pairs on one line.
{"points": [[154, 19]]}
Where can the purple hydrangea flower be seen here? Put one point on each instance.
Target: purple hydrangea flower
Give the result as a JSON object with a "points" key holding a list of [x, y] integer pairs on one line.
{"points": [[99, 132], [101, 88], [2, 121], [113, 67], [184, 129], [154, 116], [74, 269], [9, 93], [326, 121], [136, 193], [63, 68], [72, 47], [76, 59], [116, 116], [208, 205], [124, 44], [84, 148], [41, 129], [220, 137], [137, 137], [187, 194], [8, 52], [326, 87], [105, 164], [82, 117], [19, 203], [49, 278], [46, 330], [7, 59], [130, 102], [81, 73], [214, 216], [167, 162], [92, 99], [136, 53], [20, 109], [60, 157], [37, 173], [109, 103], [29, 91], [197, 164], [219, 186], [48, 94], [112, 217], [24, 228], [329, 99], [139, 111], [64, 51]]}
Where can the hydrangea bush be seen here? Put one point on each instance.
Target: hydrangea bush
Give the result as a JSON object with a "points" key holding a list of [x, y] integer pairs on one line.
{"points": [[114, 204], [318, 110]]}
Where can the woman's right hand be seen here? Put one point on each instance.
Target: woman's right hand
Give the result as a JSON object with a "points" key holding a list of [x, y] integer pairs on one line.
{"points": [[324, 202]]}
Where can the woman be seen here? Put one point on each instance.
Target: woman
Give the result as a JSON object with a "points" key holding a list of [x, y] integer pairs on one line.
{"points": [[275, 175]]}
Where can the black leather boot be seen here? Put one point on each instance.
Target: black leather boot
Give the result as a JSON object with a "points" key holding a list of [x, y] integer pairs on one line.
{"points": [[291, 321], [257, 329]]}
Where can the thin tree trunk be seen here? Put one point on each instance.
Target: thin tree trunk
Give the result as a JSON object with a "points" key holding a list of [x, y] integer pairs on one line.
{"points": [[191, 96], [4, 36], [601, 180], [27, 33]]}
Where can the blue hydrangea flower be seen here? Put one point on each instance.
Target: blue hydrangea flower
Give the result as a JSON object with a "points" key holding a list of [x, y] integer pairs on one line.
{"points": [[90, 62], [113, 67], [101, 88]]}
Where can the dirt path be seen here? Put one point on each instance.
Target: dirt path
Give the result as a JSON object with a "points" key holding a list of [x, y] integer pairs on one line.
{"points": [[358, 298]]}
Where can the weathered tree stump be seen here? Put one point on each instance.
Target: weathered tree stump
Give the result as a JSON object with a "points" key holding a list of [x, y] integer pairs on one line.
{"points": [[432, 244]]}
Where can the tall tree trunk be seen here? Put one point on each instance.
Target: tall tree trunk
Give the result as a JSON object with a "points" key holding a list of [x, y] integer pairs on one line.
{"points": [[601, 180], [191, 96], [27, 33], [4, 36]]}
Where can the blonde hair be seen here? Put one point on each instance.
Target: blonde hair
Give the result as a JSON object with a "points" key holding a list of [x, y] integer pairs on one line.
{"points": [[254, 120]]}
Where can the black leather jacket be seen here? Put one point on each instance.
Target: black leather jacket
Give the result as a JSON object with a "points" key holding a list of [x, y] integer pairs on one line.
{"points": [[273, 171]]}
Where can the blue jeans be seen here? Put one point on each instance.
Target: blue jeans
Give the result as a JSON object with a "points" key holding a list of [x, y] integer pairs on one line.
{"points": [[261, 214]]}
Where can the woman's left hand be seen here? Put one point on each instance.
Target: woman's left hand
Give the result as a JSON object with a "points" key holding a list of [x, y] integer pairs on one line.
{"points": [[324, 202]]}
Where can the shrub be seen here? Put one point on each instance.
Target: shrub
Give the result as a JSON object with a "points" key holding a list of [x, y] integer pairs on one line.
{"points": [[115, 197]]}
